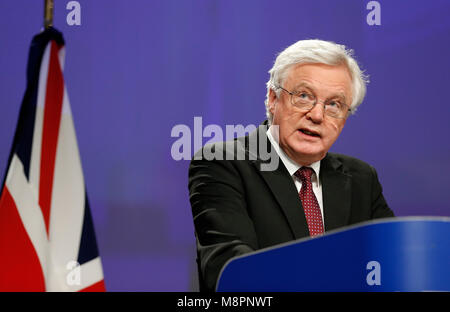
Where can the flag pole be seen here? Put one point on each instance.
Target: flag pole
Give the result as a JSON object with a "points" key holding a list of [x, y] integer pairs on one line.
{"points": [[48, 13]]}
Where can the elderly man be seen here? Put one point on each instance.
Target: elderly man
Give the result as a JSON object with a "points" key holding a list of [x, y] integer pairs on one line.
{"points": [[239, 207]]}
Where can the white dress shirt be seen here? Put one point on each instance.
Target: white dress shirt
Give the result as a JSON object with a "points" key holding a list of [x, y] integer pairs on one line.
{"points": [[292, 168]]}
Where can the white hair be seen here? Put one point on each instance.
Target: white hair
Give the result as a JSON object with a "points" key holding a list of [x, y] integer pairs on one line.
{"points": [[316, 51]]}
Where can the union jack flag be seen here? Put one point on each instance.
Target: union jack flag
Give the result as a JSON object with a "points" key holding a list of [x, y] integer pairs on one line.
{"points": [[47, 238]]}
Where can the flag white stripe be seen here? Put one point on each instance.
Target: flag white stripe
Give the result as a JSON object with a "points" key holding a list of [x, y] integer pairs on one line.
{"points": [[90, 273], [77, 277], [68, 200], [62, 57]]}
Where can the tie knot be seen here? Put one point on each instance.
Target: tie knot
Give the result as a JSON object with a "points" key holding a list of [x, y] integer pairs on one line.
{"points": [[304, 174]]}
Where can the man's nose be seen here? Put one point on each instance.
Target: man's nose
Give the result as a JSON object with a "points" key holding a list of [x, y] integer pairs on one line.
{"points": [[316, 113]]}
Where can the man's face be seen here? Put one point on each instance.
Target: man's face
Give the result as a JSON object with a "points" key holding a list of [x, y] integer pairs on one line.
{"points": [[325, 82]]}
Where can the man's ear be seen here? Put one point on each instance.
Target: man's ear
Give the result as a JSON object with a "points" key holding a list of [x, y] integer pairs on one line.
{"points": [[272, 101]]}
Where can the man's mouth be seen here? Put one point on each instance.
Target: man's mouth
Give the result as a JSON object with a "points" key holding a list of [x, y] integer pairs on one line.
{"points": [[309, 132]]}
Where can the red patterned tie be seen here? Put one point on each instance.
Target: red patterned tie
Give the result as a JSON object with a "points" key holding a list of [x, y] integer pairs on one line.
{"points": [[309, 202]]}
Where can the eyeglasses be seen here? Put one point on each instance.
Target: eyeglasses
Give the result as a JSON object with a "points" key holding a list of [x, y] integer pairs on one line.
{"points": [[305, 100]]}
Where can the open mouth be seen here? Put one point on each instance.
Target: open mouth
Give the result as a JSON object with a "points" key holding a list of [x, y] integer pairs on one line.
{"points": [[309, 132]]}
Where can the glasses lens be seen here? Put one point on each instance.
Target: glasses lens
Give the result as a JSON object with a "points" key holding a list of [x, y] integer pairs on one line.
{"points": [[303, 100], [335, 109]]}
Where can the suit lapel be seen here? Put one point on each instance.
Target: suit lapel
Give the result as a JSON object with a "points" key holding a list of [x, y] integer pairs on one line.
{"points": [[336, 193], [283, 188]]}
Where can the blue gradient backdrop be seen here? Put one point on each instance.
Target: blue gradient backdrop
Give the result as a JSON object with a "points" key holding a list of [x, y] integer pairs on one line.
{"points": [[134, 69]]}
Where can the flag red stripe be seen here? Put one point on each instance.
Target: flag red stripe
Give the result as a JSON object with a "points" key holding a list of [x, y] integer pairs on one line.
{"points": [[21, 268], [50, 130], [97, 287]]}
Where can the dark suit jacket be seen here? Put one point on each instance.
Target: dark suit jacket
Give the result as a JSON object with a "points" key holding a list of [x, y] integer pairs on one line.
{"points": [[237, 208]]}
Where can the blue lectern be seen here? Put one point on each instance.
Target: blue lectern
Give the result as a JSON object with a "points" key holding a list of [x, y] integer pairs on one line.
{"points": [[398, 254]]}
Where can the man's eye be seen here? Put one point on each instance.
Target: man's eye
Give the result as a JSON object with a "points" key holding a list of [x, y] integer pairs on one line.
{"points": [[334, 104], [304, 95]]}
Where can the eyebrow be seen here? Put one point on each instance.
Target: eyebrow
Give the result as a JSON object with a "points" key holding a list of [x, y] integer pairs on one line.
{"points": [[308, 86]]}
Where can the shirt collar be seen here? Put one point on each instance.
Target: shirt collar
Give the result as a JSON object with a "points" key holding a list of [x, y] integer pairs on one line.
{"points": [[290, 165]]}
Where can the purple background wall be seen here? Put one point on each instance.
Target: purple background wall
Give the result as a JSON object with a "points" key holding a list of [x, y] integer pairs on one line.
{"points": [[134, 69]]}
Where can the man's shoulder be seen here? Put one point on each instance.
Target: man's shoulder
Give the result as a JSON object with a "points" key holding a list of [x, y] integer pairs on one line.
{"points": [[245, 147], [222, 150], [350, 165]]}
